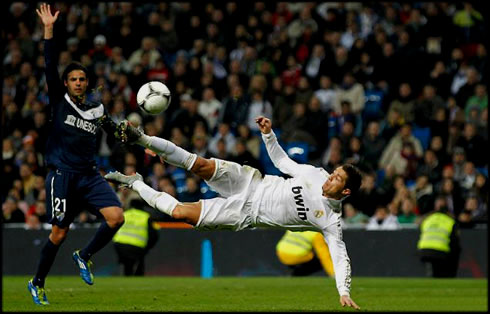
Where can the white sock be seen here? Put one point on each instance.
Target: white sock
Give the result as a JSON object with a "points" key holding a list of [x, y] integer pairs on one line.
{"points": [[172, 153], [160, 200]]}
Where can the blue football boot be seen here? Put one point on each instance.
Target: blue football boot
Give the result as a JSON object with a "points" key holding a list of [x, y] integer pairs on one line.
{"points": [[38, 294], [84, 267]]}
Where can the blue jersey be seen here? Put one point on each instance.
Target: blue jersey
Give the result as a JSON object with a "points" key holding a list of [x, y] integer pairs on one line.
{"points": [[72, 141]]}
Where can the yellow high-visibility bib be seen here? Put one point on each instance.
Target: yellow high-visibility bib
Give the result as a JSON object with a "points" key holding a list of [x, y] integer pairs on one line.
{"points": [[134, 231], [435, 232], [297, 248]]}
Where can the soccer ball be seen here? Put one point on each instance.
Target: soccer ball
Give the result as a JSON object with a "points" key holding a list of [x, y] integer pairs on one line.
{"points": [[153, 97]]}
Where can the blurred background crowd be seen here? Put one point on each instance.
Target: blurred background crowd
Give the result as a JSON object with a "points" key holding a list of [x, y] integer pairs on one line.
{"points": [[398, 89]]}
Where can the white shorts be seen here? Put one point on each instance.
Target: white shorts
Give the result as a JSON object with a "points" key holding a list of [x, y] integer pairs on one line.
{"points": [[236, 185]]}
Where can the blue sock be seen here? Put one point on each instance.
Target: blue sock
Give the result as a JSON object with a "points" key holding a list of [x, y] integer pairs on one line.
{"points": [[103, 236], [48, 253]]}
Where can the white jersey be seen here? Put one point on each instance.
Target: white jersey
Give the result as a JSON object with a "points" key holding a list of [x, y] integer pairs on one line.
{"points": [[249, 201], [297, 203]]}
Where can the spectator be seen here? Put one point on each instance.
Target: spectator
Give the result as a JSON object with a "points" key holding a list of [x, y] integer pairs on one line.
{"points": [[474, 145], [426, 106], [33, 222], [440, 79], [11, 212], [200, 144], [353, 216], [395, 145], [404, 103], [468, 88], [313, 65], [367, 197], [423, 191], [373, 144], [326, 93], [296, 127], [209, 108], [316, 122], [148, 45], [187, 117], [235, 108], [431, 167], [479, 100], [224, 133], [252, 142], [244, 157], [100, 52], [451, 192], [351, 91], [407, 212], [191, 192], [383, 220], [458, 162]]}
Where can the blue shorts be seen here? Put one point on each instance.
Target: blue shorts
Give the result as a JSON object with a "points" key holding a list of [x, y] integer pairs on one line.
{"points": [[68, 193]]}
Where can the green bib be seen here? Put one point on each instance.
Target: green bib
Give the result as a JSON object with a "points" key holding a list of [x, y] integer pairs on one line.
{"points": [[134, 231]]}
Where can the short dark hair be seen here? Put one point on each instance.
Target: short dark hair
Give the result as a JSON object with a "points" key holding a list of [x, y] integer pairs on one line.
{"points": [[72, 67], [354, 178]]}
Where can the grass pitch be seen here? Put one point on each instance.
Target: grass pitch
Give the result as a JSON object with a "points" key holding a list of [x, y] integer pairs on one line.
{"points": [[245, 294]]}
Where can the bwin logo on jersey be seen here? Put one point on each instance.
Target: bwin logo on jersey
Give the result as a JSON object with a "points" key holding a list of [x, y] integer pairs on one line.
{"points": [[300, 203], [81, 124]]}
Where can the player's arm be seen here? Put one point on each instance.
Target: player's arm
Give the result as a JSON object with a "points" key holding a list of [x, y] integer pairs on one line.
{"points": [[278, 156], [50, 53], [341, 264]]}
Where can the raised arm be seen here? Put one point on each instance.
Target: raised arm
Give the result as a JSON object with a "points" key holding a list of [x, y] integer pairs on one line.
{"points": [[50, 54], [278, 156], [48, 19]]}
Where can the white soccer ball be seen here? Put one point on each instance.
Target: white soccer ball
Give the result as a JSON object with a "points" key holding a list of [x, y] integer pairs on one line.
{"points": [[153, 97]]}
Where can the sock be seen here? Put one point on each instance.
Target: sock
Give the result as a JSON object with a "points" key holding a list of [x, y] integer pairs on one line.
{"points": [[160, 200], [103, 236], [48, 253], [172, 153]]}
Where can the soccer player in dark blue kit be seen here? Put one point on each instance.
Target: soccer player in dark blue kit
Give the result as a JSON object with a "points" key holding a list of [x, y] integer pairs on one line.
{"points": [[73, 182]]}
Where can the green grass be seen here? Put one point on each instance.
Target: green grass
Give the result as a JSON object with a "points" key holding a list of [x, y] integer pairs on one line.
{"points": [[240, 294]]}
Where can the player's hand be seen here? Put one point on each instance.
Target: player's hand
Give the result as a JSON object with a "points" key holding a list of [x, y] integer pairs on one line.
{"points": [[44, 13], [265, 124], [346, 300]]}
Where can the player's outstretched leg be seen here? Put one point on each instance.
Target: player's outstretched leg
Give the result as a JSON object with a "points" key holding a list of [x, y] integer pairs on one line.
{"points": [[166, 203], [172, 153], [159, 200]]}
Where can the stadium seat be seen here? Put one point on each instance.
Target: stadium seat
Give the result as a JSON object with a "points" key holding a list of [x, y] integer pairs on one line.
{"points": [[298, 151], [423, 135], [372, 106]]}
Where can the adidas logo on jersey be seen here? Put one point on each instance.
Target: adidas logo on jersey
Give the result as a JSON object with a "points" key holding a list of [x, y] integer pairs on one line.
{"points": [[300, 203]]}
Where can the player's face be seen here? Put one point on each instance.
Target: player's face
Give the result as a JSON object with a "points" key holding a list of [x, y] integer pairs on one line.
{"points": [[334, 186], [76, 83]]}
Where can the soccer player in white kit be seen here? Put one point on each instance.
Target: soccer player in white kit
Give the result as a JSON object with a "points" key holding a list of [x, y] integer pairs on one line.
{"points": [[309, 200]]}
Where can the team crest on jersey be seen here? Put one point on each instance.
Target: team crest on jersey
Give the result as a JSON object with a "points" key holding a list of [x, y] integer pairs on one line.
{"points": [[318, 213]]}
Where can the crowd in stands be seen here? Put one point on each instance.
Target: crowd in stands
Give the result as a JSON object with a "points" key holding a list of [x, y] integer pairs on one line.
{"points": [[398, 89]]}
